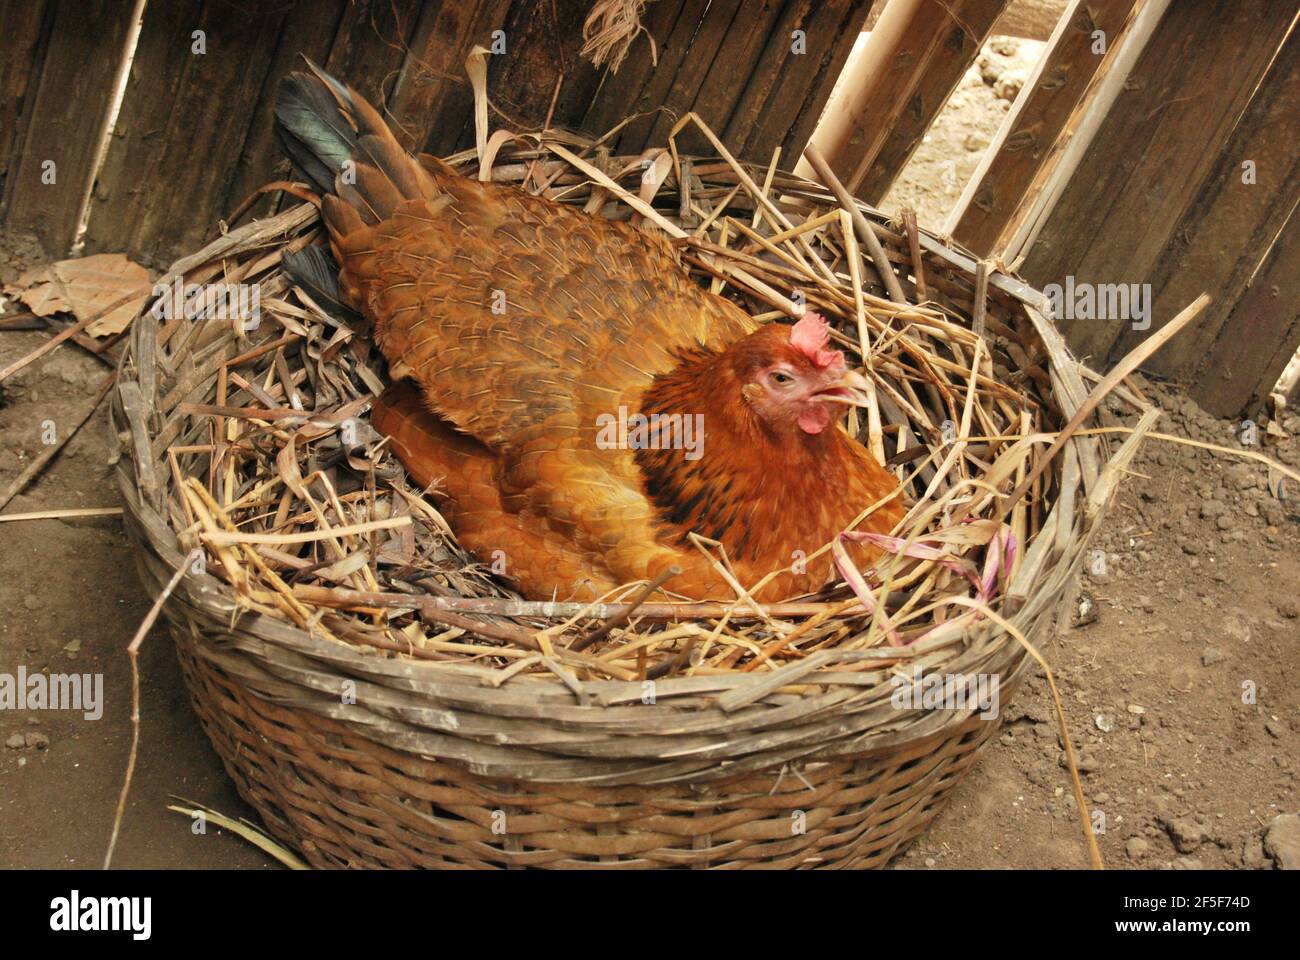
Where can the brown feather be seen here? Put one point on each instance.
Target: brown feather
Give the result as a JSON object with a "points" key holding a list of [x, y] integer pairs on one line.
{"points": [[524, 324]]}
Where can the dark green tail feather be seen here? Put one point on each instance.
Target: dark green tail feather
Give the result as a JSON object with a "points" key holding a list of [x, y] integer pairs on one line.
{"points": [[310, 127], [313, 269]]}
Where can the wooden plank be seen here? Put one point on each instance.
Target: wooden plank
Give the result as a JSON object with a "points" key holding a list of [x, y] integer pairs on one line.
{"points": [[22, 54], [1031, 19], [671, 23], [1260, 336], [786, 92], [683, 58], [1065, 155], [432, 103], [715, 84], [1222, 237], [309, 29], [522, 85], [677, 94], [128, 180], [913, 61], [371, 44], [71, 100], [969, 27], [1036, 120], [182, 126], [733, 64], [1153, 151]]}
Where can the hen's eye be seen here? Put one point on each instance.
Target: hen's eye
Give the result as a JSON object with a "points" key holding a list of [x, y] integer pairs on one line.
{"points": [[781, 379]]}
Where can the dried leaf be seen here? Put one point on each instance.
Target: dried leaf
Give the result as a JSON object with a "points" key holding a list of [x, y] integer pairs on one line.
{"points": [[476, 67], [83, 287]]}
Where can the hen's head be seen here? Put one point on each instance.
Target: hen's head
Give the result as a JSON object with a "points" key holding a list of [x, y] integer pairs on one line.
{"points": [[790, 379]]}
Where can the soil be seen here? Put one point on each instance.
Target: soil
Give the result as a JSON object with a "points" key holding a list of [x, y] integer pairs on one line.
{"points": [[1198, 606], [951, 149]]}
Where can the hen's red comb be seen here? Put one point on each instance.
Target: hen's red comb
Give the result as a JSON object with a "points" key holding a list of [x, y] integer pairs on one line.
{"points": [[810, 335]]}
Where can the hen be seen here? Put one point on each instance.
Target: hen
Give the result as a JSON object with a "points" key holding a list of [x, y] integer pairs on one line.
{"points": [[581, 404]]}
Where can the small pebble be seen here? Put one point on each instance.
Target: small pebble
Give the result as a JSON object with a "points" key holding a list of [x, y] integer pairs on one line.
{"points": [[1186, 834], [1282, 841]]}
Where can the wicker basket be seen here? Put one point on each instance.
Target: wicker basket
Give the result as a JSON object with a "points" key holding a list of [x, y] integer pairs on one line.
{"points": [[443, 765]]}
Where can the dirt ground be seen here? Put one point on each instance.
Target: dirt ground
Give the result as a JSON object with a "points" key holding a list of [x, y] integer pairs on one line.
{"points": [[951, 149], [1199, 603]]}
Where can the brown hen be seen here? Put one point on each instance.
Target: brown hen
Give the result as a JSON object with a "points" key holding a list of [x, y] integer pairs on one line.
{"points": [[581, 405]]}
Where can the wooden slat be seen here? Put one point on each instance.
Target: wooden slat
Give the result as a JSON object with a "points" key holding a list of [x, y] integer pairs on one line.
{"points": [[309, 29], [182, 126], [640, 86], [961, 45], [1036, 120], [548, 44], [432, 104], [786, 92], [192, 128], [1222, 237], [66, 116], [1260, 336], [1032, 19], [912, 63], [1154, 150], [677, 92], [371, 45], [731, 63], [22, 50], [712, 85], [1072, 145], [129, 180], [670, 23]]}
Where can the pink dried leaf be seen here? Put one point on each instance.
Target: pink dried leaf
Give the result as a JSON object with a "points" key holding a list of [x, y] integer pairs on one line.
{"points": [[853, 577], [918, 550]]}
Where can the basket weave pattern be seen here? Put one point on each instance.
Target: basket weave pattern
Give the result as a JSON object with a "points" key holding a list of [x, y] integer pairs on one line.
{"points": [[345, 801], [441, 765]]}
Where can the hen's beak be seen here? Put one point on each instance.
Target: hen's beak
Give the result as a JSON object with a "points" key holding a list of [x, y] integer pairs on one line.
{"points": [[852, 388]]}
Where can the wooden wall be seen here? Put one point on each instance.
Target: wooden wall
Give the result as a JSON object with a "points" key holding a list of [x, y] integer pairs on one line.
{"points": [[1162, 197], [193, 136], [1189, 182], [1118, 167]]}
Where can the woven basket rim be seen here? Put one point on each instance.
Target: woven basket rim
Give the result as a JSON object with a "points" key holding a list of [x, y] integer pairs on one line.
{"points": [[606, 723]]}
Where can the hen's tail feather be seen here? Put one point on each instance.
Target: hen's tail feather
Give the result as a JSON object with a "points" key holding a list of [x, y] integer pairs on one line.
{"points": [[313, 130], [322, 125], [313, 269]]}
